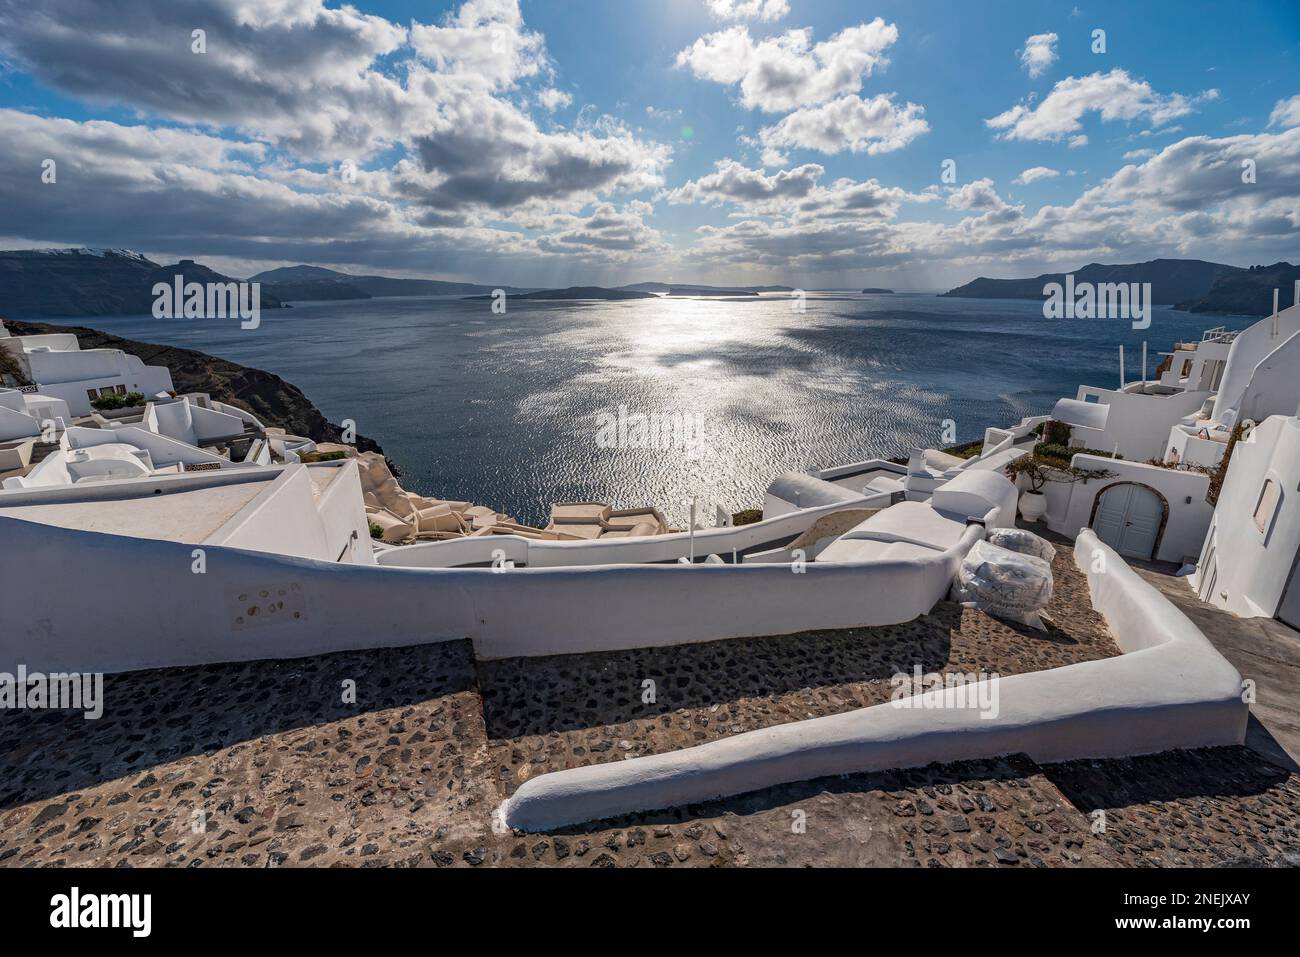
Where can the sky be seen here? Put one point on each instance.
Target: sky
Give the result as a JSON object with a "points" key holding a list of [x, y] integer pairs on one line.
{"points": [[811, 143]]}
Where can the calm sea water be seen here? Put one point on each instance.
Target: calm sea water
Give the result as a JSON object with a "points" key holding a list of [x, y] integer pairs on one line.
{"points": [[503, 410]]}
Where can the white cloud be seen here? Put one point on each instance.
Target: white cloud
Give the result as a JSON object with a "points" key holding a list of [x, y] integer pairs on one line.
{"points": [[1036, 173], [785, 72], [977, 194], [552, 99], [292, 72], [733, 182], [314, 81], [851, 123], [765, 10], [1038, 54], [795, 195], [1113, 96], [1286, 113], [483, 43], [1139, 154], [1188, 201], [609, 234]]}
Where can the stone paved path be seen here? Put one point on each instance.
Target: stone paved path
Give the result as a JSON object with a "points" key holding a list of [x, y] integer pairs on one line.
{"points": [[265, 764]]}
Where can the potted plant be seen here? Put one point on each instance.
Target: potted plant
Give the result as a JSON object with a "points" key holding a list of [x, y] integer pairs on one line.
{"points": [[1038, 471]]}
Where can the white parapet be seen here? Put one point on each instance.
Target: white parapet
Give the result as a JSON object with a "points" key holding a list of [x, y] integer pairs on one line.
{"points": [[1169, 689]]}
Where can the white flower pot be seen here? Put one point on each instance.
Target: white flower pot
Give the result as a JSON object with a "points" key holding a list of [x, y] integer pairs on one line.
{"points": [[1033, 506]]}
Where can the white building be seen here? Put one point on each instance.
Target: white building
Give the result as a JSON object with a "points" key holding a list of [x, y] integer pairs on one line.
{"points": [[61, 369], [169, 537], [1249, 562], [1171, 433]]}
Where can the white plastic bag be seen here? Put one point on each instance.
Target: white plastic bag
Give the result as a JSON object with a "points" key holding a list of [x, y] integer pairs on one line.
{"points": [[1019, 540], [1004, 583]]}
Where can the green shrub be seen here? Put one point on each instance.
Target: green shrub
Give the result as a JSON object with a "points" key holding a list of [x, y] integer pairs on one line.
{"points": [[376, 531], [1049, 450], [1056, 433], [321, 456], [113, 400], [747, 516], [967, 451]]}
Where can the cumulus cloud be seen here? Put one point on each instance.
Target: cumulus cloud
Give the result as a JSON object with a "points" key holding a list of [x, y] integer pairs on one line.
{"points": [[788, 71], [1038, 53], [292, 72], [553, 99], [873, 126], [765, 10], [609, 234], [1113, 96], [483, 43], [299, 76], [795, 194], [1188, 200], [1286, 113], [732, 181], [1036, 173], [977, 194]]}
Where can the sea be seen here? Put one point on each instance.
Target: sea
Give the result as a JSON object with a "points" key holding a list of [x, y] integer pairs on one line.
{"points": [[667, 401]]}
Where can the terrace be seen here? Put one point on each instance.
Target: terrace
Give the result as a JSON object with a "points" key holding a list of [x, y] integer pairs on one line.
{"points": [[408, 776]]}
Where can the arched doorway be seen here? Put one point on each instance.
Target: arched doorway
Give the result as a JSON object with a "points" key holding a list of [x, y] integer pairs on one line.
{"points": [[1130, 518]]}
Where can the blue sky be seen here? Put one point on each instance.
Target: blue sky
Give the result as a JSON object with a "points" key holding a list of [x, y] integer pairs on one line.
{"points": [[549, 142]]}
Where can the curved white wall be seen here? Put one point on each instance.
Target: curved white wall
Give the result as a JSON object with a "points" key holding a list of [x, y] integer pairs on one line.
{"points": [[1170, 689], [112, 622]]}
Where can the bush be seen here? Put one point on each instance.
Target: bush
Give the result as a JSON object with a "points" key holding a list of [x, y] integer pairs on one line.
{"points": [[376, 531], [107, 403], [747, 517], [966, 451], [321, 456], [1056, 433], [1049, 450]]}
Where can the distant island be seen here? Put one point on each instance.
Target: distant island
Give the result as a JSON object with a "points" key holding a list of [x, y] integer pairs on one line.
{"points": [[1191, 285], [93, 282], [701, 291], [38, 283], [316, 283], [877, 292], [574, 293], [1249, 292], [695, 289]]}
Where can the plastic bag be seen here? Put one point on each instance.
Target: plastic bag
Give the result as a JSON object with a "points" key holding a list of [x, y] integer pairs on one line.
{"points": [[1004, 583], [1019, 540]]}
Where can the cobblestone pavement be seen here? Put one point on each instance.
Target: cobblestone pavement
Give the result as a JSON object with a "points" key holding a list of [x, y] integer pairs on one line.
{"points": [[265, 763]]}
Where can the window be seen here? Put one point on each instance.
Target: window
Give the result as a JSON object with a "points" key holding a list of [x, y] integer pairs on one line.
{"points": [[120, 390], [1266, 505], [92, 394]]}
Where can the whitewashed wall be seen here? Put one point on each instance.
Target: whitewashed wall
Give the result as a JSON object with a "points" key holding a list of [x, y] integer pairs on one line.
{"points": [[1170, 689], [1254, 566], [190, 619]]}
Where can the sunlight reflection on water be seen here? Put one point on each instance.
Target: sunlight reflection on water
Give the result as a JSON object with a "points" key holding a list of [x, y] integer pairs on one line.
{"points": [[503, 410]]}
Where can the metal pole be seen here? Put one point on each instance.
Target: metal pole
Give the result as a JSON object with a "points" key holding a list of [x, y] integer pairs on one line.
{"points": [[692, 531], [1121, 367]]}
